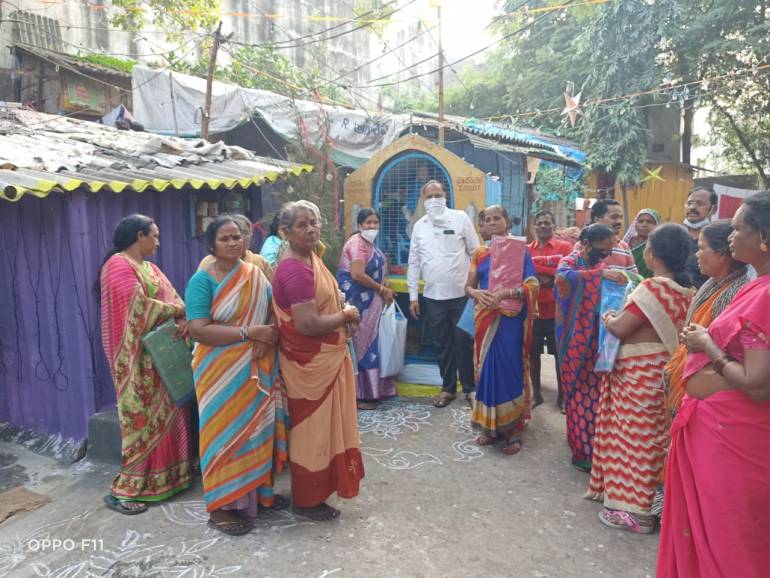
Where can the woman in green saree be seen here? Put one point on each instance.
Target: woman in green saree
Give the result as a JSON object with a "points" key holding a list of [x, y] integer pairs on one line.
{"points": [[644, 224]]}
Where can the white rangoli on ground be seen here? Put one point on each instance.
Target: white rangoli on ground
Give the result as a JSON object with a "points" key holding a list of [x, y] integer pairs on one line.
{"points": [[136, 555], [466, 449], [400, 459], [391, 419]]}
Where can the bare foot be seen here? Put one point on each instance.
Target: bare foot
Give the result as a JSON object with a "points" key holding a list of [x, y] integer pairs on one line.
{"points": [[321, 513], [367, 405]]}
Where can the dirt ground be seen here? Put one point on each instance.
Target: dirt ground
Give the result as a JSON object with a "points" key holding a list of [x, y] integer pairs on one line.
{"points": [[432, 504]]}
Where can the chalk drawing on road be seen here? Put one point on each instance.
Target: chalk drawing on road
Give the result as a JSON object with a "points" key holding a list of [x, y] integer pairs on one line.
{"points": [[468, 450], [193, 513], [137, 555], [26, 552], [391, 419], [461, 421], [393, 459]]}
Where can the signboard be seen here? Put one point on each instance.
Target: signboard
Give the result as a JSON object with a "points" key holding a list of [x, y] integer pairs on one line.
{"points": [[82, 94]]}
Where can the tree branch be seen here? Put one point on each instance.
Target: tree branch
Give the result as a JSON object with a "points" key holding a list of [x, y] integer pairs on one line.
{"points": [[744, 140]]}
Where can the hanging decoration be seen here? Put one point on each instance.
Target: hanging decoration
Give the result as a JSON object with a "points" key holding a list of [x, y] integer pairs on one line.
{"points": [[653, 175], [571, 105]]}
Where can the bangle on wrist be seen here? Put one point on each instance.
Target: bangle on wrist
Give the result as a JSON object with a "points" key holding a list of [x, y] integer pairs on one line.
{"points": [[244, 333]]}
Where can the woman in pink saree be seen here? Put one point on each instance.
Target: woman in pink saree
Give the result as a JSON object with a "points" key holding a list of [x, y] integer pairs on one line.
{"points": [[716, 519]]}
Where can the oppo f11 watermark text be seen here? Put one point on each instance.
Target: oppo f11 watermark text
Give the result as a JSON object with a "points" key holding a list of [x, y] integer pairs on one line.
{"points": [[66, 545]]}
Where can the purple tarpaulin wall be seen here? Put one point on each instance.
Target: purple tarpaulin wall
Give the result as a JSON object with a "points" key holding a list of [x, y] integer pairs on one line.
{"points": [[53, 373]]}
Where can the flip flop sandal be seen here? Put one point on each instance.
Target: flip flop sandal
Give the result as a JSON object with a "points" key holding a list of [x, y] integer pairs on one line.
{"points": [[511, 448], [624, 521], [114, 504], [444, 399], [231, 528], [485, 440]]}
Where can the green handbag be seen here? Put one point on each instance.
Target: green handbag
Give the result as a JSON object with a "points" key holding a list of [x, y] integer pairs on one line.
{"points": [[172, 360]]}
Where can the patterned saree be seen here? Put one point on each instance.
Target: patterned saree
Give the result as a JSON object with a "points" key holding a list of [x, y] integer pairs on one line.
{"points": [[631, 434], [578, 296], [240, 402], [155, 434]]}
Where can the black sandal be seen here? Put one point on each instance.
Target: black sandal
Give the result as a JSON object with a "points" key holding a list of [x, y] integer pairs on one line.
{"points": [[443, 399], [232, 528], [118, 505]]}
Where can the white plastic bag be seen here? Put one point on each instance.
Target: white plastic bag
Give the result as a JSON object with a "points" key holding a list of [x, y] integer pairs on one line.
{"points": [[392, 340]]}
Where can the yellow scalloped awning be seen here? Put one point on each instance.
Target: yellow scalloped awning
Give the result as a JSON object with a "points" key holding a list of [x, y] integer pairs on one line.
{"points": [[14, 185]]}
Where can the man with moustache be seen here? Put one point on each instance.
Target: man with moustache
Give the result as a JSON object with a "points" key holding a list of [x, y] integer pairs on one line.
{"points": [[701, 205], [609, 212]]}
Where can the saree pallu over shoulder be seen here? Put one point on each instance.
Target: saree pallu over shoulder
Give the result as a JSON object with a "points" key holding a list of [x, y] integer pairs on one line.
{"points": [[155, 433], [240, 400], [324, 447], [708, 303], [664, 302], [631, 434], [502, 342]]}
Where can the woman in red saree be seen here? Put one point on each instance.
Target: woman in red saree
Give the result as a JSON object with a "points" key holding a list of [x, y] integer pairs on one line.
{"points": [[716, 517], [135, 297], [631, 435], [578, 296], [316, 366]]}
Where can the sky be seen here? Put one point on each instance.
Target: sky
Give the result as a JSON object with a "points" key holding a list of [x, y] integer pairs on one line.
{"points": [[463, 23]]}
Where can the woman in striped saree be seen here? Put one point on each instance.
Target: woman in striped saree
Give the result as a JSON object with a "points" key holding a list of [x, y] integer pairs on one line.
{"points": [[630, 440], [135, 297], [314, 329], [503, 401], [240, 403]]}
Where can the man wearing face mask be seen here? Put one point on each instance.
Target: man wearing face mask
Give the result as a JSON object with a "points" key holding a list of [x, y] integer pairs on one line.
{"points": [[442, 243], [700, 207]]}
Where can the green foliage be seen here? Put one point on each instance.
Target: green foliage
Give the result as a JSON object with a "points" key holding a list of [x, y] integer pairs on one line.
{"points": [[622, 47], [424, 101], [108, 62], [625, 42], [265, 67], [173, 16], [552, 185]]}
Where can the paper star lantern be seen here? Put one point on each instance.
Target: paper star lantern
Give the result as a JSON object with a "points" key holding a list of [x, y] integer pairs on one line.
{"points": [[572, 106], [653, 175]]}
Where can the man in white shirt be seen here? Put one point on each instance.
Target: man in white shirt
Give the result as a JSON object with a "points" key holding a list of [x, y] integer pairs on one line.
{"points": [[442, 243]]}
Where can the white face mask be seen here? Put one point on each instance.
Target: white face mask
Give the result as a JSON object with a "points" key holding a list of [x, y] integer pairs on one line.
{"points": [[435, 207], [697, 225], [369, 234]]}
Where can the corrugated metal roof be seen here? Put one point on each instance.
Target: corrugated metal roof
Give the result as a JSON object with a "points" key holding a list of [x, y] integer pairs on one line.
{"points": [[41, 153], [522, 138]]}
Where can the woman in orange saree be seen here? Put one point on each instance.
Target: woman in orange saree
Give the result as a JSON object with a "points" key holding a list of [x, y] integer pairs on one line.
{"points": [[726, 277], [240, 404], [316, 366], [135, 297]]}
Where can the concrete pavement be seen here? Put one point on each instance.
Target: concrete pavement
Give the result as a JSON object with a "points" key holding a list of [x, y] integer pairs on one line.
{"points": [[432, 504]]}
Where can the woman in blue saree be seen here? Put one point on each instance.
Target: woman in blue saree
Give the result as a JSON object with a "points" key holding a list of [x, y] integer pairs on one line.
{"points": [[502, 406], [361, 276]]}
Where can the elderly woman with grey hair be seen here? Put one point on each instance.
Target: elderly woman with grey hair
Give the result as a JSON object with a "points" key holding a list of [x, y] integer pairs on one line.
{"points": [[313, 329]]}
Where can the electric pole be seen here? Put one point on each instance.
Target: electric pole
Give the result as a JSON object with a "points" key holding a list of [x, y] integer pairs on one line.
{"points": [[440, 80], [210, 81]]}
